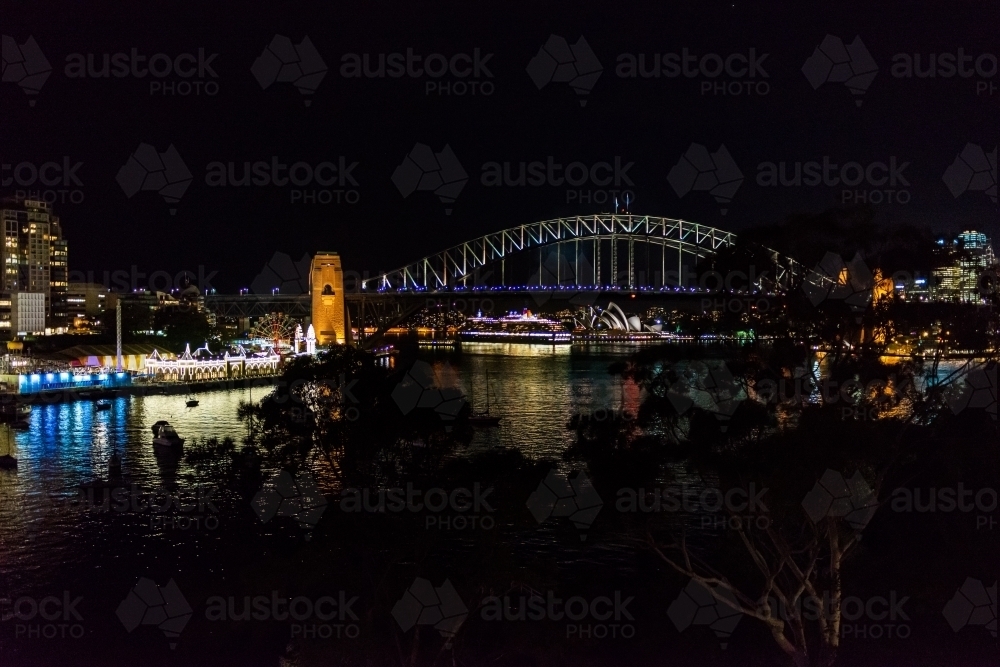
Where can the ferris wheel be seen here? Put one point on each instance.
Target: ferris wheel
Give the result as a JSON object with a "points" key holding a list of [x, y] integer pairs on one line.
{"points": [[275, 330]]}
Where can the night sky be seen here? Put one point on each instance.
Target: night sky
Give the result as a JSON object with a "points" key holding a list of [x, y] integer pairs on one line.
{"points": [[376, 122]]}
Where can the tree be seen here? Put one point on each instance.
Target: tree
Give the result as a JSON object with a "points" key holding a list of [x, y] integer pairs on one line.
{"points": [[137, 318], [182, 325], [822, 450]]}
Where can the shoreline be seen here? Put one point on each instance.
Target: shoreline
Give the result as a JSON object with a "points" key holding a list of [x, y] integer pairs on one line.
{"points": [[72, 395]]}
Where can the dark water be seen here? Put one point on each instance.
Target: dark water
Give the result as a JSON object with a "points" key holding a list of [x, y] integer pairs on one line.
{"points": [[52, 544], [212, 545]]}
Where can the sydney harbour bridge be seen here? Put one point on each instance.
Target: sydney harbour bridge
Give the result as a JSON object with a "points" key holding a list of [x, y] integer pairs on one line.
{"points": [[606, 251], [600, 254]]}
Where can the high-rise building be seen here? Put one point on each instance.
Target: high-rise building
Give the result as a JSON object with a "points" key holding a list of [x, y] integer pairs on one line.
{"points": [[27, 313], [969, 255], [34, 259], [86, 302]]}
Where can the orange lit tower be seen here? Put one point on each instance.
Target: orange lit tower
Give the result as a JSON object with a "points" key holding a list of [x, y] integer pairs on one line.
{"points": [[326, 285]]}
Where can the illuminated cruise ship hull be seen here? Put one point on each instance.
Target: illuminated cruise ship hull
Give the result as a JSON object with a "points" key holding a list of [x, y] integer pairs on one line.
{"points": [[531, 337], [515, 329]]}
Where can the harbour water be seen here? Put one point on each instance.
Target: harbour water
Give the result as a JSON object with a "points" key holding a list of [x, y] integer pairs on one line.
{"points": [[536, 388], [49, 542], [51, 545]]}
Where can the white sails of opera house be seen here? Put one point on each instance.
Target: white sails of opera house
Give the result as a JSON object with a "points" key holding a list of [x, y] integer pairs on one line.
{"points": [[615, 319]]}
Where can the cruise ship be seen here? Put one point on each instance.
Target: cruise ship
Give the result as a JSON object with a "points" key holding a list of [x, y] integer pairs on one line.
{"points": [[515, 328]]}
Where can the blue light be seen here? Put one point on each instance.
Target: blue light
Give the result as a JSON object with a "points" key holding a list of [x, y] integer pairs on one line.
{"points": [[49, 376], [35, 377], [63, 376], [102, 376]]}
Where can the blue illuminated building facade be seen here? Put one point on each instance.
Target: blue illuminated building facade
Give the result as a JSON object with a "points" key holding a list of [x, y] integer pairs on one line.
{"points": [[41, 382]]}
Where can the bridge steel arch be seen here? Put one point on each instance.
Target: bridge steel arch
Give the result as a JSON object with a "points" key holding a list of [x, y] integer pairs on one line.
{"points": [[453, 267]]}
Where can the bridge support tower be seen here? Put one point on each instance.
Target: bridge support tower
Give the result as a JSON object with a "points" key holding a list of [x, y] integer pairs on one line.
{"points": [[326, 285]]}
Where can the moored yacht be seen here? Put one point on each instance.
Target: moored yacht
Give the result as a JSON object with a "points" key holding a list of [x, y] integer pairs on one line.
{"points": [[165, 438]]}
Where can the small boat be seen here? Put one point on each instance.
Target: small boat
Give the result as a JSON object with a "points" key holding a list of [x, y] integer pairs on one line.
{"points": [[483, 418], [191, 403], [165, 438], [102, 405], [12, 411]]}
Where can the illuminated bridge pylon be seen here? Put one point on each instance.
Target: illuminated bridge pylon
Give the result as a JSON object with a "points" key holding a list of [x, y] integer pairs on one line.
{"points": [[594, 251]]}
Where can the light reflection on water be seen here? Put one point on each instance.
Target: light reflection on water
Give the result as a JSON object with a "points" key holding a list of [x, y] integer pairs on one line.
{"points": [[535, 389], [41, 531]]}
